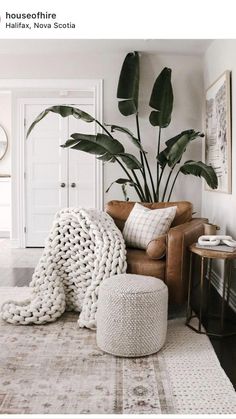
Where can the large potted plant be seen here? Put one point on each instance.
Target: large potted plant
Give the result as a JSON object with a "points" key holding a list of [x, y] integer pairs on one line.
{"points": [[149, 186]]}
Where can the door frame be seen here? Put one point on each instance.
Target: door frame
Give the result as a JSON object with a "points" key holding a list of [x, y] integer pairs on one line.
{"points": [[94, 86]]}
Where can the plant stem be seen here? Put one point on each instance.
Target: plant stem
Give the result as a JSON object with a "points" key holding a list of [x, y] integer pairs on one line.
{"points": [[167, 183], [159, 141], [160, 178], [137, 188], [150, 175], [158, 152], [124, 192], [139, 192], [139, 185], [146, 188], [173, 184], [104, 129]]}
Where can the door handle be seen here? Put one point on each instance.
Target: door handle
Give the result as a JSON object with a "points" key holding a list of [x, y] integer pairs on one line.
{"points": [[63, 185], [73, 185]]}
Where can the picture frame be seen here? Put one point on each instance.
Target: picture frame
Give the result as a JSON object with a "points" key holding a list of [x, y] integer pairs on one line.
{"points": [[218, 131]]}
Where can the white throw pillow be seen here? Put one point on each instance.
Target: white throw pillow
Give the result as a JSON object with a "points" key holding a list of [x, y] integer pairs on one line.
{"points": [[144, 224]]}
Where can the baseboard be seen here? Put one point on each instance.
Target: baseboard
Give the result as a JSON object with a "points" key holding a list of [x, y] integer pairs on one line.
{"points": [[217, 282], [4, 234], [15, 244]]}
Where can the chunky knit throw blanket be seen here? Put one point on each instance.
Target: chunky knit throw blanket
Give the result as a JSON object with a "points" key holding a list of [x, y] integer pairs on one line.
{"points": [[83, 248]]}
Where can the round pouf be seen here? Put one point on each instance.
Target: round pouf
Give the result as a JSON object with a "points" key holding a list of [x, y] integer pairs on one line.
{"points": [[132, 315]]}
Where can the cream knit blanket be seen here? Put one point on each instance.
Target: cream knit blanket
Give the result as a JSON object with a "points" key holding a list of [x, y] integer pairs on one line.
{"points": [[83, 248]]}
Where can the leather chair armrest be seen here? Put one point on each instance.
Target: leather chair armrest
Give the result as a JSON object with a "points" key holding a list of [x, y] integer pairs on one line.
{"points": [[179, 238], [156, 249]]}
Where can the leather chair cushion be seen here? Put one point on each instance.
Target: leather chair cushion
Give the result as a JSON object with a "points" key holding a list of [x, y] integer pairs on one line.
{"points": [[140, 263]]}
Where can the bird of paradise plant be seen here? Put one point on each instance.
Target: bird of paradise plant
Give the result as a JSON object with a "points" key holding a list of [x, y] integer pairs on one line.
{"points": [[149, 187]]}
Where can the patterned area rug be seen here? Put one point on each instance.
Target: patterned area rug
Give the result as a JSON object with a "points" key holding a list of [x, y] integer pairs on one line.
{"points": [[57, 368]]}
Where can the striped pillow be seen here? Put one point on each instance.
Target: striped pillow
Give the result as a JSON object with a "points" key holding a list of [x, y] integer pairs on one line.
{"points": [[144, 225]]}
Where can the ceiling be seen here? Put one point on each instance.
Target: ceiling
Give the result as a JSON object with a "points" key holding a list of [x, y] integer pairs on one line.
{"points": [[75, 46]]}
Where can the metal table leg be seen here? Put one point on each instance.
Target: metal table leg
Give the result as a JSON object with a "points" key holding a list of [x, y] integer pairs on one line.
{"points": [[229, 280], [226, 279], [189, 309], [227, 289], [201, 295], [208, 276]]}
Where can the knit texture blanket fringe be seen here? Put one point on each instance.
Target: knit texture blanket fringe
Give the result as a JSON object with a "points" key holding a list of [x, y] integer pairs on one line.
{"points": [[83, 248]]}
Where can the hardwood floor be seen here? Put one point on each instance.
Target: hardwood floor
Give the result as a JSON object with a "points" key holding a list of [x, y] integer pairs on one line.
{"points": [[15, 277], [224, 347]]}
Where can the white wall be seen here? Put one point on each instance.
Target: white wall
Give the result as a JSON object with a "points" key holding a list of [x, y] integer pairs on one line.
{"points": [[218, 207], [187, 84], [5, 122], [188, 90], [5, 167]]}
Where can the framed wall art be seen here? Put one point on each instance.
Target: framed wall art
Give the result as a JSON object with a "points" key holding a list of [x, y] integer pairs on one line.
{"points": [[218, 131]]}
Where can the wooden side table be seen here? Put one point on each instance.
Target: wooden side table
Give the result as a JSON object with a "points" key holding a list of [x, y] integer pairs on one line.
{"points": [[209, 255]]}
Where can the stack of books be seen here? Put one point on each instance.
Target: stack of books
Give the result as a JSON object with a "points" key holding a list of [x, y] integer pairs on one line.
{"points": [[219, 247]]}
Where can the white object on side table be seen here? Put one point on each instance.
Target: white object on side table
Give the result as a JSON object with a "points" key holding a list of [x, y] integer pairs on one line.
{"points": [[216, 240]]}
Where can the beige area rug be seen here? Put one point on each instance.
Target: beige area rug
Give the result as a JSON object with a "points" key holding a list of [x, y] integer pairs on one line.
{"points": [[58, 368]]}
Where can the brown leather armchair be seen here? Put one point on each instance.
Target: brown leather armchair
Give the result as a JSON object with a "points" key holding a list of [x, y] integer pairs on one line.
{"points": [[173, 267]]}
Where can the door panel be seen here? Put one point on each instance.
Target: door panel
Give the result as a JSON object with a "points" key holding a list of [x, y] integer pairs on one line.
{"points": [[48, 166], [46, 169], [82, 176]]}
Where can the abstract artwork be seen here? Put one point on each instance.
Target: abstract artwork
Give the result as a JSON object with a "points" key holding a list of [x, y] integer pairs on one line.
{"points": [[218, 131]]}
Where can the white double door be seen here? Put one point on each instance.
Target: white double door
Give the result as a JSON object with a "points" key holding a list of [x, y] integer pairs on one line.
{"points": [[56, 177]]}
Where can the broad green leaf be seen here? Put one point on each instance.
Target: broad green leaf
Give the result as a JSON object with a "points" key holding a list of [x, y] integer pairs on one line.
{"points": [[63, 111], [130, 161], [128, 85], [121, 181], [107, 157], [162, 158], [100, 145], [111, 145], [127, 107], [176, 147], [126, 131], [198, 168], [85, 143], [155, 118], [177, 150], [162, 99], [191, 133], [78, 137]]}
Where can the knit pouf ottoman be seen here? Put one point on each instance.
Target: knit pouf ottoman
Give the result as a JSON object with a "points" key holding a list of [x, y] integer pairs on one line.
{"points": [[132, 315]]}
